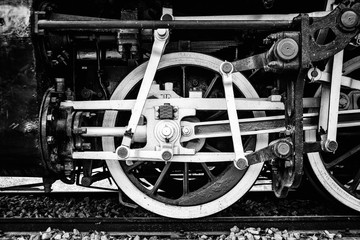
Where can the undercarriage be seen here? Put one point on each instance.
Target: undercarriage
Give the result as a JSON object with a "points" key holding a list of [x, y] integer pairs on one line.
{"points": [[186, 108]]}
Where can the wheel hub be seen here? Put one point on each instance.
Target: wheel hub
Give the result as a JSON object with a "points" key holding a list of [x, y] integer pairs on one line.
{"points": [[167, 131]]}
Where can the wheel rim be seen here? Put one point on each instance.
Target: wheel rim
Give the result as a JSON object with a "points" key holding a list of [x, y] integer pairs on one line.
{"points": [[327, 167], [190, 206]]}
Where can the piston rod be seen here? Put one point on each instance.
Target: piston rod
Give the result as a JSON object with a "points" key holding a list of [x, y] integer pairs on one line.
{"points": [[178, 24]]}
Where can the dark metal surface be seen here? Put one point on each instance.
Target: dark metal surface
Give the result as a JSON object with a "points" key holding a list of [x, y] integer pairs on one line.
{"points": [[157, 224], [19, 99], [341, 37], [179, 24]]}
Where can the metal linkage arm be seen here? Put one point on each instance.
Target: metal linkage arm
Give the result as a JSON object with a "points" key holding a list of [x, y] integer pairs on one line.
{"points": [[161, 37], [240, 160], [330, 105]]}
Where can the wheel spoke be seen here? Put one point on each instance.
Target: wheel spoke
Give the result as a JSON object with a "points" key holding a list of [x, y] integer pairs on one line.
{"points": [[208, 172], [355, 183], [216, 115], [135, 165], [186, 179], [183, 80], [211, 148], [343, 157], [160, 179], [249, 144], [211, 85]]}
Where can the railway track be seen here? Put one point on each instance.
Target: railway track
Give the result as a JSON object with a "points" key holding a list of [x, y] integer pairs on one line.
{"points": [[160, 224], [283, 227]]}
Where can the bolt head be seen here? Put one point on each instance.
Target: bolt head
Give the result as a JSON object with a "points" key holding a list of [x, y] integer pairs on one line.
{"points": [[50, 140], [241, 163], [331, 145], [166, 155], [283, 148], [349, 19], [287, 49], [227, 67], [166, 131], [186, 131], [50, 117], [122, 152]]}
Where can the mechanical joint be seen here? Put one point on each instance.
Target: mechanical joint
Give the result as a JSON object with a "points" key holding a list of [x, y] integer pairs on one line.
{"points": [[287, 49], [329, 145], [283, 148], [123, 152], [349, 19], [226, 68], [241, 163]]}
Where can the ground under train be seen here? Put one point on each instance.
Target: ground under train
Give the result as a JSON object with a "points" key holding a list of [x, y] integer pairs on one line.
{"points": [[183, 104]]}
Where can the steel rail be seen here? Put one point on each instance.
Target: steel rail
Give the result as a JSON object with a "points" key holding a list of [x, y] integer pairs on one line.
{"points": [[160, 224]]}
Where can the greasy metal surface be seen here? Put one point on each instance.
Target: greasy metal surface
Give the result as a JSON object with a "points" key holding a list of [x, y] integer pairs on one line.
{"points": [[342, 37], [19, 101], [159, 224]]}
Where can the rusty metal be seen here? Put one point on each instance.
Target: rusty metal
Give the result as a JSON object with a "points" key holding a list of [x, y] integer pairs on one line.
{"points": [[332, 23]]}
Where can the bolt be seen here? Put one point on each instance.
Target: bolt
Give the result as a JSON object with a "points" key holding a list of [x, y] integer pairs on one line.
{"points": [[241, 163], [169, 86], [287, 49], [349, 19], [331, 146], [283, 148], [267, 41], [166, 131], [342, 102], [122, 152], [86, 181], [227, 67], [314, 73], [195, 82], [86, 146], [288, 164], [53, 99], [167, 17], [60, 84], [162, 33], [186, 131], [50, 117], [50, 140], [166, 155]]}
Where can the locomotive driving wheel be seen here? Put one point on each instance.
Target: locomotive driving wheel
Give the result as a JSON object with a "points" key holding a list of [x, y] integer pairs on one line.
{"points": [[339, 173], [184, 189]]}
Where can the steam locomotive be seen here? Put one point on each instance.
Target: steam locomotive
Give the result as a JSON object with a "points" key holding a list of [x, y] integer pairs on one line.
{"points": [[185, 104]]}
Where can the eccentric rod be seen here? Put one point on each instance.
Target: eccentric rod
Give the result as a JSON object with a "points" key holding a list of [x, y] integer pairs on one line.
{"points": [[178, 24]]}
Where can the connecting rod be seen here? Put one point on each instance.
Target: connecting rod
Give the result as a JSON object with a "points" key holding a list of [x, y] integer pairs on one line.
{"points": [[161, 37], [240, 161]]}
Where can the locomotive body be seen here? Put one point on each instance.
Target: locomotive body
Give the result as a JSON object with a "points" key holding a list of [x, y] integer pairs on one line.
{"points": [[184, 104]]}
